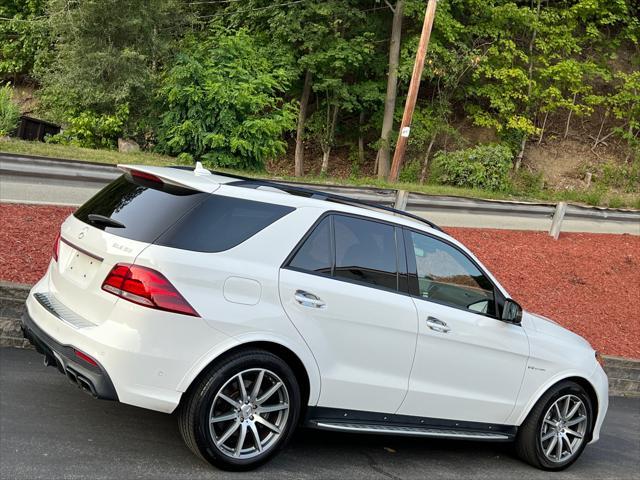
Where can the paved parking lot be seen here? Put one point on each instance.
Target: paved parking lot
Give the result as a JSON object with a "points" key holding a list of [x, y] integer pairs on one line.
{"points": [[50, 430]]}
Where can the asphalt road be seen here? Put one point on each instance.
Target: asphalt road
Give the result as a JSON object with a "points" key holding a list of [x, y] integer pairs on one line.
{"points": [[49, 429]]}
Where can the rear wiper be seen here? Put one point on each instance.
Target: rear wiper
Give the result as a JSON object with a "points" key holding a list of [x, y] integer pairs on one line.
{"points": [[96, 219]]}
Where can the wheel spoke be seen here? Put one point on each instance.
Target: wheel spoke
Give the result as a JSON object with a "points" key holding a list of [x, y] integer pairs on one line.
{"points": [[558, 414], [224, 418], [266, 423], [243, 391], [546, 420], [559, 448], [548, 436], [272, 408], [551, 445], [269, 393], [256, 437], [228, 433], [566, 440], [576, 421], [573, 411], [256, 386], [229, 400], [567, 404], [573, 432], [241, 437]]}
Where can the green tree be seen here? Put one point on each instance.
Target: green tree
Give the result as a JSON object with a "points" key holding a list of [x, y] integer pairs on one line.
{"points": [[625, 103], [223, 101], [106, 56], [22, 35]]}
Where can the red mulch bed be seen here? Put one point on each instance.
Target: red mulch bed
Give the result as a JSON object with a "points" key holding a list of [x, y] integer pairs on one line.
{"points": [[588, 282]]}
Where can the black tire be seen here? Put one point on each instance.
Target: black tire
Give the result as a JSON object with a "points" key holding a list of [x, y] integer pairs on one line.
{"points": [[195, 410], [528, 444]]}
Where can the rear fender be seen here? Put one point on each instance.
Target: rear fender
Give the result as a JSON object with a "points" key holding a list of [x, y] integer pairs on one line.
{"points": [[302, 352]]}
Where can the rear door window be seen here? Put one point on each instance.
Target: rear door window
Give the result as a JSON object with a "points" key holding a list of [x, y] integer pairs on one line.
{"points": [[353, 249], [365, 252]]}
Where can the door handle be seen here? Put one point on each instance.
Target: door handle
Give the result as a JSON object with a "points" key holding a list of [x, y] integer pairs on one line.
{"points": [[437, 325], [307, 299]]}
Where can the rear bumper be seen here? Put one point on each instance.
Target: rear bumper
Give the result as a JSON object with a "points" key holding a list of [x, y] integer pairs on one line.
{"points": [[89, 378], [147, 353]]}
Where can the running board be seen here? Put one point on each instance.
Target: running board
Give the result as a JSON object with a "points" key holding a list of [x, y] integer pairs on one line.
{"points": [[358, 421], [410, 431]]}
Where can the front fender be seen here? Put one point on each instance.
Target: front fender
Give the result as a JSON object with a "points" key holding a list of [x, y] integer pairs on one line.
{"points": [[521, 410]]}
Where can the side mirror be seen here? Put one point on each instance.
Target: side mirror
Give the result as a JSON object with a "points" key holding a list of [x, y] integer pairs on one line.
{"points": [[512, 312]]}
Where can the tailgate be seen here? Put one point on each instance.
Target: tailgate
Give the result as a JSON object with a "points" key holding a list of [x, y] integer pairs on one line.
{"points": [[113, 227]]}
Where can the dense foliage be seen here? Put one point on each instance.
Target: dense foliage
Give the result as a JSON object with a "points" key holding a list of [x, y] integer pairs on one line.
{"points": [[223, 81], [223, 102], [485, 166], [104, 62], [22, 35]]}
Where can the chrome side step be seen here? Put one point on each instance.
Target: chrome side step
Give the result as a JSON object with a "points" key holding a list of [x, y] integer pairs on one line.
{"points": [[410, 431]]}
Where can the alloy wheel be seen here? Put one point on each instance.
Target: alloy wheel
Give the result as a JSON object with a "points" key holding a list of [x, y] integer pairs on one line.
{"points": [[563, 428], [249, 413]]}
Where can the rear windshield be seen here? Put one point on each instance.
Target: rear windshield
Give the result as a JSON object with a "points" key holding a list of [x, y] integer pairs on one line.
{"points": [[178, 217]]}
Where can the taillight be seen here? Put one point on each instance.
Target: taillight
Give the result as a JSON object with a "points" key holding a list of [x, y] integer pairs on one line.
{"points": [[56, 248], [147, 287]]}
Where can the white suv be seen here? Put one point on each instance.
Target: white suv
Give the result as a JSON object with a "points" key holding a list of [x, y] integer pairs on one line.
{"points": [[252, 307]]}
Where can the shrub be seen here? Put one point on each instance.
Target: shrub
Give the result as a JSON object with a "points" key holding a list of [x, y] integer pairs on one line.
{"points": [[483, 166], [526, 182], [410, 173], [91, 130], [9, 112], [625, 177]]}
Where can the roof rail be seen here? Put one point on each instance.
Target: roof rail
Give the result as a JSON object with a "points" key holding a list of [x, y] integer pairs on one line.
{"points": [[249, 182]]}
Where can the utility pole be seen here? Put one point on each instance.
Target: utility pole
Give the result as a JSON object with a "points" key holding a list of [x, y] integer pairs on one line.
{"points": [[412, 95]]}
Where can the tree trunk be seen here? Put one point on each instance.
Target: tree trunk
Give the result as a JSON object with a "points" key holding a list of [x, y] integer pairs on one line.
{"points": [[631, 136], [544, 124], [326, 147], [360, 139], [425, 165], [523, 144], [302, 116], [392, 87], [532, 41], [566, 128], [325, 161], [604, 119]]}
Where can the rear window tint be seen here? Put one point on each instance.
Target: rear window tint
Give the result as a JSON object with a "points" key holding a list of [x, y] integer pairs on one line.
{"points": [[145, 212], [220, 223], [179, 217]]}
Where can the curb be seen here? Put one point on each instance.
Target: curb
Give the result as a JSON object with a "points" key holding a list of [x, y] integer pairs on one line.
{"points": [[623, 373]]}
